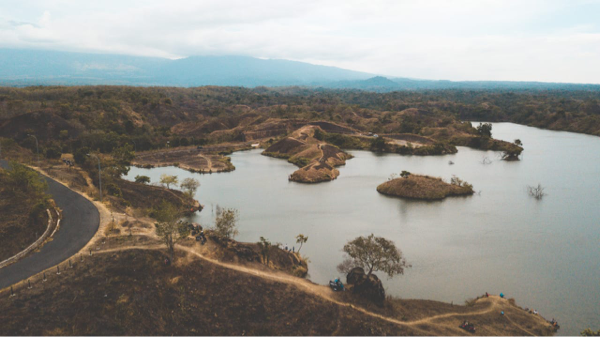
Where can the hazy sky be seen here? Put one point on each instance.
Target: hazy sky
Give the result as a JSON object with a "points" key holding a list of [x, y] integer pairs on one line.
{"points": [[458, 40]]}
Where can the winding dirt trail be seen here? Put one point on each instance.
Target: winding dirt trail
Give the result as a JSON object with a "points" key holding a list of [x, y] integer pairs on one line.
{"points": [[324, 292]]}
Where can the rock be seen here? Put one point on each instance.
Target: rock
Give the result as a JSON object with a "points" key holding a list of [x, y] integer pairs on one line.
{"points": [[369, 287]]}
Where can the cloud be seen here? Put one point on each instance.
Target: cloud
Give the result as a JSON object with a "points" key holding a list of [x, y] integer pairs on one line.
{"points": [[458, 40]]}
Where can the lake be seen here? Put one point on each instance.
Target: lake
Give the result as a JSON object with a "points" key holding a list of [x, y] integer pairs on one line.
{"points": [[544, 253]]}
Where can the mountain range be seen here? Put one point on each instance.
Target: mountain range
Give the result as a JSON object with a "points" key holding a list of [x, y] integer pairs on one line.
{"points": [[20, 67]]}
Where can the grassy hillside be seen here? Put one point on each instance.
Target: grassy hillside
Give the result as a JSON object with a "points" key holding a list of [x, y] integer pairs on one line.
{"points": [[23, 204], [133, 292], [102, 118]]}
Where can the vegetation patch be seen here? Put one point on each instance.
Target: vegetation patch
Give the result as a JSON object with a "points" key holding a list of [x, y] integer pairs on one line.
{"points": [[412, 186], [23, 204]]}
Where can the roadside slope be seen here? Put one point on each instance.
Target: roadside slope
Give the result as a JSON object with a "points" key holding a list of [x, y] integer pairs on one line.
{"points": [[80, 223]]}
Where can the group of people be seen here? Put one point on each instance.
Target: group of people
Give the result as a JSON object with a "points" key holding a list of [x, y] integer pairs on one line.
{"points": [[287, 248], [198, 232], [336, 285]]}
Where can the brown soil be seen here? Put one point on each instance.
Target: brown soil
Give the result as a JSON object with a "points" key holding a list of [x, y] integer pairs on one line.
{"points": [[147, 196], [316, 159], [133, 292], [188, 158], [422, 187]]}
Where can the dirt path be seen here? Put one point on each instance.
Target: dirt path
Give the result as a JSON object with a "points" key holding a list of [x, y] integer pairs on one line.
{"points": [[324, 291], [208, 161]]}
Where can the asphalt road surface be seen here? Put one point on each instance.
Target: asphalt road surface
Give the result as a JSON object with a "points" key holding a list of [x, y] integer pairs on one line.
{"points": [[79, 224]]}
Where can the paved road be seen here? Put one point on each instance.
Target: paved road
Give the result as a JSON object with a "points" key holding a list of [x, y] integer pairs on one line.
{"points": [[79, 224]]}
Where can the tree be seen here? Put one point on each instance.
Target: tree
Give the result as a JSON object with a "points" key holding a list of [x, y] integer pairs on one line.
{"points": [[190, 185], [301, 239], [536, 191], [373, 254], [24, 180], [265, 249], [590, 332], [485, 130], [120, 161], [168, 228], [80, 155], [378, 144], [226, 222], [168, 180], [404, 174], [142, 179], [518, 142]]}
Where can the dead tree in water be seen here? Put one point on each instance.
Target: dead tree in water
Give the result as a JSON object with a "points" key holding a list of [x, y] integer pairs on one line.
{"points": [[536, 191]]}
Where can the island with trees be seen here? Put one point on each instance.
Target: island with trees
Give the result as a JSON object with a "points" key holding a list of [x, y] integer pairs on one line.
{"points": [[423, 187]]}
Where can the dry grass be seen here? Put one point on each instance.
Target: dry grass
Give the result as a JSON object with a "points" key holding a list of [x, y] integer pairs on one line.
{"points": [[422, 187]]}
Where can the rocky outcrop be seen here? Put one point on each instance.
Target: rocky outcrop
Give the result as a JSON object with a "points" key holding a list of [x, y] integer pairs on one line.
{"points": [[367, 286]]}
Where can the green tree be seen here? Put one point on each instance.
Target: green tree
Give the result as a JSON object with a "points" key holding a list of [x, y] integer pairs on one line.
{"points": [[518, 142], [226, 222], [80, 155], [485, 130], [168, 228], [404, 174], [24, 180], [301, 239], [168, 180], [374, 254], [265, 249], [142, 179], [378, 144], [190, 186], [589, 333], [120, 161]]}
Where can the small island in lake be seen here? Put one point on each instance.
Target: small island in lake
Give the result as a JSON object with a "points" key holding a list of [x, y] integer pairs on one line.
{"points": [[317, 160], [414, 186]]}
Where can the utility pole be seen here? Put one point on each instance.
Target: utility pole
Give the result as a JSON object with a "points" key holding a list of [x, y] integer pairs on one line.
{"points": [[37, 148], [99, 174]]}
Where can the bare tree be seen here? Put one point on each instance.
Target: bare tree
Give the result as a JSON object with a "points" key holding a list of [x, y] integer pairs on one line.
{"points": [[536, 191]]}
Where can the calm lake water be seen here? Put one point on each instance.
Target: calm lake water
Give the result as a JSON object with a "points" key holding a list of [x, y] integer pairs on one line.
{"points": [[545, 254]]}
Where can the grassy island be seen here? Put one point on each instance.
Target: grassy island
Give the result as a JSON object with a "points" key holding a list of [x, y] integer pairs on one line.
{"points": [[413, 186], [316, 159]]}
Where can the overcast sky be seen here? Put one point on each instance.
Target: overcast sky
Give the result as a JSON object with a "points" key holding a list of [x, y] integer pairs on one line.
{"points": [[551, 41]]}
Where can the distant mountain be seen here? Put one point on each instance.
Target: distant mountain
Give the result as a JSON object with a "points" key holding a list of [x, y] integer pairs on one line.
{"points": [[36, 67], [33, 67]]}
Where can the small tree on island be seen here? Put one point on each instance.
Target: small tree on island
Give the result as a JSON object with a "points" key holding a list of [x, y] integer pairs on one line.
{"points": [[373, 254], [301, 239], [168, 180], [404, 174], [168, 228], [190, 186], [226, 222]]}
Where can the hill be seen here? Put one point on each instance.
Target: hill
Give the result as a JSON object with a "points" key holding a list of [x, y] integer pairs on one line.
{"points": [[20, 67], [35, 67]]}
